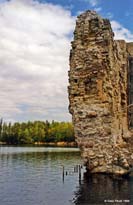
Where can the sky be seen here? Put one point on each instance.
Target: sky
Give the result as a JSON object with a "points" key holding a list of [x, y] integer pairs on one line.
{"points": [[35, 38]]}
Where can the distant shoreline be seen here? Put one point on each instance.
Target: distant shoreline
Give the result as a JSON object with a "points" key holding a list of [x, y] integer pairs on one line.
{"points": [[61, 144], [56, 144]]}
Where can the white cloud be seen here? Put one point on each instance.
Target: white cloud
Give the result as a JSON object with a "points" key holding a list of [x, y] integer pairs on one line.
{"points": [[121, 32], [79, 12], [34, 51], [109, 15], [93, 2], [98, 9]]}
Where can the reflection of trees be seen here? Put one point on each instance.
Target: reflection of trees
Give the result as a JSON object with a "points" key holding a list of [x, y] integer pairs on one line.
{"points": [[95, 189], [42, 160]]}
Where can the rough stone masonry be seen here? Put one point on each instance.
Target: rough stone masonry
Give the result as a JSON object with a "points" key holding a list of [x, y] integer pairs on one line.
{"points": [[98, 95]]}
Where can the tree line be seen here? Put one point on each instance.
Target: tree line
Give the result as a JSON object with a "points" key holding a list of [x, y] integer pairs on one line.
{"points": [[35, 132]]}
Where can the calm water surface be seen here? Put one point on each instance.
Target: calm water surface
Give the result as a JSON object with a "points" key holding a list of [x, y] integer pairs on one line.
{"points": [[33, 176]]}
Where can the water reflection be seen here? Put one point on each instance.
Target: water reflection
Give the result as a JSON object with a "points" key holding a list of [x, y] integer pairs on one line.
{"points": [[103, 189], [33, 176]]}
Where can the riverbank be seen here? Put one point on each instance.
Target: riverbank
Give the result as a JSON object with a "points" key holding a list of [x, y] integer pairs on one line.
{"points": [[58, 144], [3, 143], [55, 144]]}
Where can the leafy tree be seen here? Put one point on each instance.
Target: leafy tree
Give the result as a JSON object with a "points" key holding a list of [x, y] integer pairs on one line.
{"points": [[37, 131]]}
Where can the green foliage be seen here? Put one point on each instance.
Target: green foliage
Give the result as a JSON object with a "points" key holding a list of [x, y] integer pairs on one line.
{"points": [[37, 131]]}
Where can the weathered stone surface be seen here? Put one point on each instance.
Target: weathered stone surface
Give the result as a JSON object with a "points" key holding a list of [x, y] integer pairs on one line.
{"points": [[98, 95]]}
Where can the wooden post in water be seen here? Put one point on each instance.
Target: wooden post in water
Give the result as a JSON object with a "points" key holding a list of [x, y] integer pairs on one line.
{"points": [[79, 173], [77, 168], [63, 174]]}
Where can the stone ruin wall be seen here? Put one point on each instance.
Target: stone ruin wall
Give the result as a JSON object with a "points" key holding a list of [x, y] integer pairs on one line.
{"points": [[98, 95]]}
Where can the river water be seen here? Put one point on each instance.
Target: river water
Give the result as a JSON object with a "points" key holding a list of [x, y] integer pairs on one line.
{"points": [[34, 176]]}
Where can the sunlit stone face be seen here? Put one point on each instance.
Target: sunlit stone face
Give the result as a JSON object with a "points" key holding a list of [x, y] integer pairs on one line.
{"points": [[98, 95]]}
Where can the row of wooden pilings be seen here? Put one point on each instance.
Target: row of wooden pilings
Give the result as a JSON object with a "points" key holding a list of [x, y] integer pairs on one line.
{"points": [[77, 169]]}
